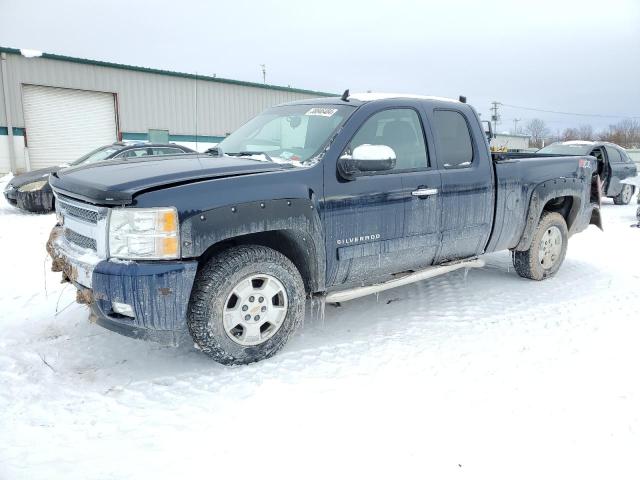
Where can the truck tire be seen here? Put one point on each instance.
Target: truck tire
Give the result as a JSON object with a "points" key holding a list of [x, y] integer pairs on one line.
{"points": [[547, 251], [245, 304], [624, 197]]}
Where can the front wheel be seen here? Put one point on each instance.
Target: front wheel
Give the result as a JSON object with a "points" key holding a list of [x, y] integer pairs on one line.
{"points": [[246, 303], [547, 250], [624, 197]]}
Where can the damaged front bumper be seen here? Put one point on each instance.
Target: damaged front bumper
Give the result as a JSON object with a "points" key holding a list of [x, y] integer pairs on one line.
{"points": [[157, 292], [39, 201]]}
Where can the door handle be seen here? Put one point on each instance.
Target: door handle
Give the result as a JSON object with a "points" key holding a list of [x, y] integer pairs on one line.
{"points": [[424, 192]]}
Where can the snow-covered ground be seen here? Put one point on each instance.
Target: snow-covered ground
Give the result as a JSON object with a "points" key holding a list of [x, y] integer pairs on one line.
{"points": [[483, 376]]}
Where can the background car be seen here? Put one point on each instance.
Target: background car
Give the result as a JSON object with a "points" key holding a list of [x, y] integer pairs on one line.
{"points": [[31, 191], [614, 165]]}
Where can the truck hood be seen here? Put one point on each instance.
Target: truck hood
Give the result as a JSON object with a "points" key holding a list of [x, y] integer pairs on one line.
{"points": [[33, 176], [116, 183]]}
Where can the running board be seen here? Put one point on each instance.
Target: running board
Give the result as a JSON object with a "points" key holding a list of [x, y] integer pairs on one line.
{"points": [[429, 272]]}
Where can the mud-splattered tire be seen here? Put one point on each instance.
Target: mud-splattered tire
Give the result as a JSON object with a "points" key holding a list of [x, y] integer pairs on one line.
{"points": [[547, 251], [625, 196], [228, 289]]}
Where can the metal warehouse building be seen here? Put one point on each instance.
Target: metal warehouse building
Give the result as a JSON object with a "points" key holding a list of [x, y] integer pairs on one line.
{"points": [[54, 108]]}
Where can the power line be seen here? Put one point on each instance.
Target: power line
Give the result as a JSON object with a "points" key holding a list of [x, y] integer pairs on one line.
{"points": [[569, 113]]}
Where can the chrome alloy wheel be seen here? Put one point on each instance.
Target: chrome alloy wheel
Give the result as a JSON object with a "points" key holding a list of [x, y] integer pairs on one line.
{"points": [[550, 247], [627, 192], [255, 310]]}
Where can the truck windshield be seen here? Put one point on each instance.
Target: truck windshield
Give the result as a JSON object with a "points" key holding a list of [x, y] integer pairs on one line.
{"points": [[293, 134], [96, 155], [567, 149]]}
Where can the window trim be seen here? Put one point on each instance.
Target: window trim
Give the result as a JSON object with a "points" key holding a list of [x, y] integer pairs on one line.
{"points": [[471, 140], [429, 165]]}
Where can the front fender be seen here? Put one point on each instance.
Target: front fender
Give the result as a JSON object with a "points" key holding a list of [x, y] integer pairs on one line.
{"points": [[297, 218]]}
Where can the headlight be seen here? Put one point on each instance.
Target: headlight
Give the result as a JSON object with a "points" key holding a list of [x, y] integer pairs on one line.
{"points": [[144, 233], [33, 186]]}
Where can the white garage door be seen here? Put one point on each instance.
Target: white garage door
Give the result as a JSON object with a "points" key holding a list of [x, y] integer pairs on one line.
{"points": [[63, 124]]}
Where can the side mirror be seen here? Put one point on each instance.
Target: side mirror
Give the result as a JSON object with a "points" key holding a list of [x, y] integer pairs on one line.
{"points": [[367, 158], [214, 151], [488, 130]]}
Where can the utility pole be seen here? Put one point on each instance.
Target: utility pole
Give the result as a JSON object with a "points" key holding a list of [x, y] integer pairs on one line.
{"points": [[515, 125], [264, 72], [495, 117]]}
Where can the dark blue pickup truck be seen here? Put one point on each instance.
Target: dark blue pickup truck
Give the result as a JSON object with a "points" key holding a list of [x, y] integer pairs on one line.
{"points": [[333, 198]]}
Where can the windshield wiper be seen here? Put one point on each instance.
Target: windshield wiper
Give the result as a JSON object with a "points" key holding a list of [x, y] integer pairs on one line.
{"points": [[250, 153]]}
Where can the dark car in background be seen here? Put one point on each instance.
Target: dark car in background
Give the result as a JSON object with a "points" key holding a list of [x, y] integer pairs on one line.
{"points": [[31, 191], [614, 165]]}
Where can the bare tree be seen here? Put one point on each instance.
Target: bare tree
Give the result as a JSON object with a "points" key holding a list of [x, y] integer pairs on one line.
{"points": [[625, 133], [538, 131], [585, 132], [570, 134]]}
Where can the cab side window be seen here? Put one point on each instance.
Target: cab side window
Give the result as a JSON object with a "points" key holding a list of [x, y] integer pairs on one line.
{"points": [[453, 139], [399, 129]]}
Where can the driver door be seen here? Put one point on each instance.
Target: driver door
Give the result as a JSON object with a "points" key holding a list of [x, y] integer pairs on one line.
{"points": [[375, 224]]}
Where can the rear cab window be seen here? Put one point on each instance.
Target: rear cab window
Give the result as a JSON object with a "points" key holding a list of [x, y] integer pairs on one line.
{"points": [[452, 138]]}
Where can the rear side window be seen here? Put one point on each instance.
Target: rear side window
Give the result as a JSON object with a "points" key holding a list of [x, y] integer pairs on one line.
{"points": [[613, 154], [453, 139], [625, 156]]}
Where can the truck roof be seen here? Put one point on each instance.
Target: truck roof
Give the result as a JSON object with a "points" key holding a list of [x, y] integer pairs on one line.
{"points": [[357, 99]]}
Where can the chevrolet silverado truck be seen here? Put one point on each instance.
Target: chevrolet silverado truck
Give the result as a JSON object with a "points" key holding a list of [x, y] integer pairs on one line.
{"points": [[333, 198]]}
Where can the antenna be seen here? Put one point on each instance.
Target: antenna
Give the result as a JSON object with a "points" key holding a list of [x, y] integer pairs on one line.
{"points": [[263, 66], [345, 96], [462, 99]]}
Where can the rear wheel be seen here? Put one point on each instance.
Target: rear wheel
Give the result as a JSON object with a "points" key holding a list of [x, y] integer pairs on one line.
{"points": [[547, 250], [624, 197], [246, 303]]}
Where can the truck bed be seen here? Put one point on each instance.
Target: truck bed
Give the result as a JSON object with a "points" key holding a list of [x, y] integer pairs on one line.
{"points": [[523, 183]]}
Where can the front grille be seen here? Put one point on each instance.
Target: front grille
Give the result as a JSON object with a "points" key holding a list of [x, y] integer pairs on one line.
{"points": [[85, 214], [80, 240]]}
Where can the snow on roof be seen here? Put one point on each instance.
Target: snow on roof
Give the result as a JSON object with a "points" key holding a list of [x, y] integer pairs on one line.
{"points": [[369, 97], [577, 142], [30, 53], [515, 135]]}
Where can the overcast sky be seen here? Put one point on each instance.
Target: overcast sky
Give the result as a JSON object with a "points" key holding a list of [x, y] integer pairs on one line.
{"points": [[561, 55]]}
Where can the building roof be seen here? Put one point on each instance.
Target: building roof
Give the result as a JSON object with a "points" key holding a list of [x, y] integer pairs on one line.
{"points": [[36, 54], [515, 135]]}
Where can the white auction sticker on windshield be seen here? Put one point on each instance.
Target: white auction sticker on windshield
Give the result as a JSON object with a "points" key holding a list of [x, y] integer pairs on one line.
{"points": [[322, 112]]}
